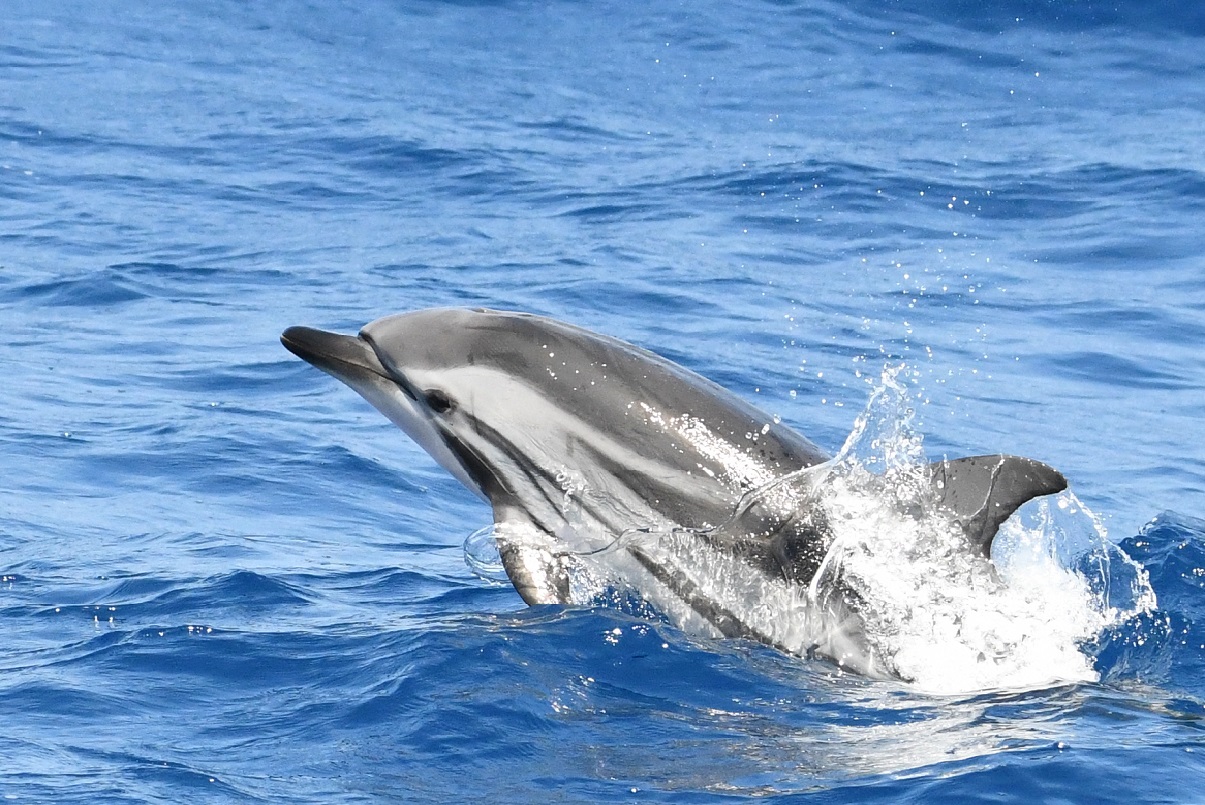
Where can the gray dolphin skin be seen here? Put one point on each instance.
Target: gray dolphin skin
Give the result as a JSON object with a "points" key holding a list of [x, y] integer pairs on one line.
{"points": [[583, 443]]}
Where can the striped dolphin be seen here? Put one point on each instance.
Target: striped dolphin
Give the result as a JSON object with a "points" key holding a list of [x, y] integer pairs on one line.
{"points": [[602, 459]]}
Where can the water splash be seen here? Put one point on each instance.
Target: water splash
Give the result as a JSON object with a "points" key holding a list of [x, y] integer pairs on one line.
{"points": [[942, 617], [482, 556]]}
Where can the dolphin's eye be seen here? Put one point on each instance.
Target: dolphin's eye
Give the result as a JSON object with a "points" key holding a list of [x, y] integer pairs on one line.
{"points": [[438, 401]]}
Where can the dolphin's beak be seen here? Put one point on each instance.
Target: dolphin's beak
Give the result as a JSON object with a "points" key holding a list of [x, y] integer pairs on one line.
{"points": [[347, 357], [353, 360]]}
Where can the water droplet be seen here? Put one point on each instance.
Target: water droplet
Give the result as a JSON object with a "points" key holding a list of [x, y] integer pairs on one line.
{"points": [[481, 555]]}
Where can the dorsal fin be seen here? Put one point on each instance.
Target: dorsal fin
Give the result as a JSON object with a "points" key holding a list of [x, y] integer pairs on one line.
{"points": [[981, 492]]}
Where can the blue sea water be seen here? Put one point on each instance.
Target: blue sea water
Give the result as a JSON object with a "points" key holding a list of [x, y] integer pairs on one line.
{"points": [[224, 578]]}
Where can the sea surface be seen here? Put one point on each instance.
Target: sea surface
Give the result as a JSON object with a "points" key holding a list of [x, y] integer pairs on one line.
{"points": [[225, 578]]}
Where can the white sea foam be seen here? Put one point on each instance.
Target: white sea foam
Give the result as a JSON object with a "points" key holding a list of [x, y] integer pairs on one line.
{"points": [[937, 614]]}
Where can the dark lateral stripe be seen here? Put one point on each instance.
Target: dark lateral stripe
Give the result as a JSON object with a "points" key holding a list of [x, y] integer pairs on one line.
{"points": [[724, 621]]}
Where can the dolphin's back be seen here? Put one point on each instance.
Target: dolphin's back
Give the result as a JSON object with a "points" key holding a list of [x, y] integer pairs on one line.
{"points": [[699, 443]]}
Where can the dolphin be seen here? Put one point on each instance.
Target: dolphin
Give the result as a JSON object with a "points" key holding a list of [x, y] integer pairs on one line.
{"points": [[601, 459]]}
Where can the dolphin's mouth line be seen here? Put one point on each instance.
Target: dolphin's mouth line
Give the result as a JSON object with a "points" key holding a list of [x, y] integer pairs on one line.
{"points": [[334, 353]]}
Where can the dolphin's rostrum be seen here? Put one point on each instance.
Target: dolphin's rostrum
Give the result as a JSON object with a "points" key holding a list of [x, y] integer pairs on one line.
{"points": [[583, 443]]}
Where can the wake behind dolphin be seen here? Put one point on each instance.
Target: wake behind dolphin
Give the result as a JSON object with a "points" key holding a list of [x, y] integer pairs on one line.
{"points": [[609, 466]]}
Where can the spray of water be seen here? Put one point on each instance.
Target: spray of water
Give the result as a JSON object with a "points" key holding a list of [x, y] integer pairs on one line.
{"points": [[937, 614]]}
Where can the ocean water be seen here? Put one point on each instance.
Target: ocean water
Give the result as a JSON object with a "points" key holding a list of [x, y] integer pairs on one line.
{"points": [[224, 578]]}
